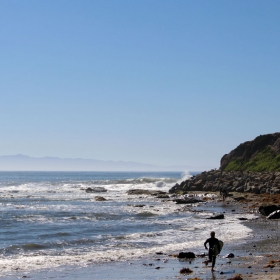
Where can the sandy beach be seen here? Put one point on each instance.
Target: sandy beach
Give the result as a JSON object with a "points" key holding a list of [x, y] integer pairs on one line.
{"points": [[254, 258]]}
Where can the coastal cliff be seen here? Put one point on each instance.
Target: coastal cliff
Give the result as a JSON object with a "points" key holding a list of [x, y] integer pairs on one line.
{"points": [[254, 166], [260, 154]]}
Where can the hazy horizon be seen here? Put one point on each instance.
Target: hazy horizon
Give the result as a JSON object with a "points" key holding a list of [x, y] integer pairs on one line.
{"points": [[26, 163]]}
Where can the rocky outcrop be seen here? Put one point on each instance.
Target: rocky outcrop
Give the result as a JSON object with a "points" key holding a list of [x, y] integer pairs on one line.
{"points": [[234, 181], [144, 192], [260, 154], [96, 190], [254, 166]]}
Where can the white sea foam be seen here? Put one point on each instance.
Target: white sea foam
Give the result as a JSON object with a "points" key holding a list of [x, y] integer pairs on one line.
{"points": [[185, 176], [68, 227], [168, 241]]}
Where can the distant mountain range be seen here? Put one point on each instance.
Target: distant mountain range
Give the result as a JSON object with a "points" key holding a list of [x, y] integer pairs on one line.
{"points": [[26, 163]]}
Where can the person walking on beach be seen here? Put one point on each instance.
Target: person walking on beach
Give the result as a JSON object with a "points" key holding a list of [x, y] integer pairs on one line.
{"points": [[223, 193], [212, 243]]}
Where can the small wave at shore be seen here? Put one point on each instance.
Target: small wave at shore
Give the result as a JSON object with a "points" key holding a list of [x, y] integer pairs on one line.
{"points": [[46, 225], [122, 252]]}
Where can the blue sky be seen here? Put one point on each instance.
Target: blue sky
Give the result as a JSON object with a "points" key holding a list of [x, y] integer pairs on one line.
{"points": [[160, 82]]}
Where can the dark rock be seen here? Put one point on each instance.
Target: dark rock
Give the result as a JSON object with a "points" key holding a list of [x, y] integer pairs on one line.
{"points": [[274, 215], [200, 182], [137, 192], [187, 200], [163, 196], [240, 189], [141, 192], [175, 188], [217, 217], [156, 193], [201, 255], [263, 190], [95, 190], [275, 191], [100, 198], [230, 255], [268, 209], [187, 255], [239, 198]]}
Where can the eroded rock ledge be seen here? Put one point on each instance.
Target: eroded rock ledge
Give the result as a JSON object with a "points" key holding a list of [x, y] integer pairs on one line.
{"points": [[233, 181]]}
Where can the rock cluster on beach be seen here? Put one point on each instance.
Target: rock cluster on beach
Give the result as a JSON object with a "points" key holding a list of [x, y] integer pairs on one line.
{"points": [[254, 166], [233, 181]]}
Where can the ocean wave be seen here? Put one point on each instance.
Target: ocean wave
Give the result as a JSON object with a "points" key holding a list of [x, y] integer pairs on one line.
{"points": [[116, 252]]}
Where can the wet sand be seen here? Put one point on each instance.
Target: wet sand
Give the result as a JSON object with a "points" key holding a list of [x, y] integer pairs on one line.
{"points": [[255, 258]]}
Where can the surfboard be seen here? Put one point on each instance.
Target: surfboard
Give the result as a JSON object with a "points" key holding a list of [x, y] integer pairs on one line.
{"points": [[216, 248]]}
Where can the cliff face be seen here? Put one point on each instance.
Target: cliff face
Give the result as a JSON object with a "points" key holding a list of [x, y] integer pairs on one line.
{"points": [[234, 181], [260, 154], [251, 167]]}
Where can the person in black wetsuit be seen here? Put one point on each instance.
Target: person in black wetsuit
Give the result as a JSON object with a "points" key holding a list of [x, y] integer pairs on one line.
{"points": [[223, 193], [212, 242]]}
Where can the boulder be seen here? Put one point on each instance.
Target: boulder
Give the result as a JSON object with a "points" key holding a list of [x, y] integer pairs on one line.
{"points": [[138, 192], [268, 209], [96, 190], [187, 200], [217, 217], [198, 183], [275, 191], [239, 198], [100, 198], [155, 193], [274, 215], [187, 255], [263, 190], [236, 184], [141, 192], [175, 188], [163, 196], [255, 189], [240, 189]]}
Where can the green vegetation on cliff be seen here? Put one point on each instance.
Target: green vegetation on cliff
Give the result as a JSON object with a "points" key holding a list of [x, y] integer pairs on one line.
{"points": [[263, 161], [261, 154]]}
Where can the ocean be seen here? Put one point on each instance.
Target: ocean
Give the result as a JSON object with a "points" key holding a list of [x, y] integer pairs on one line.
{"points": [[48, 220]]}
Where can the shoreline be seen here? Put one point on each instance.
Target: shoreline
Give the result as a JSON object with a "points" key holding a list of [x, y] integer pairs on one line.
{"points": [[257, 258]]}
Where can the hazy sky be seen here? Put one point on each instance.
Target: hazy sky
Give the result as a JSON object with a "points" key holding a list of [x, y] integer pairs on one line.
{"points": [[153, 81]]}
